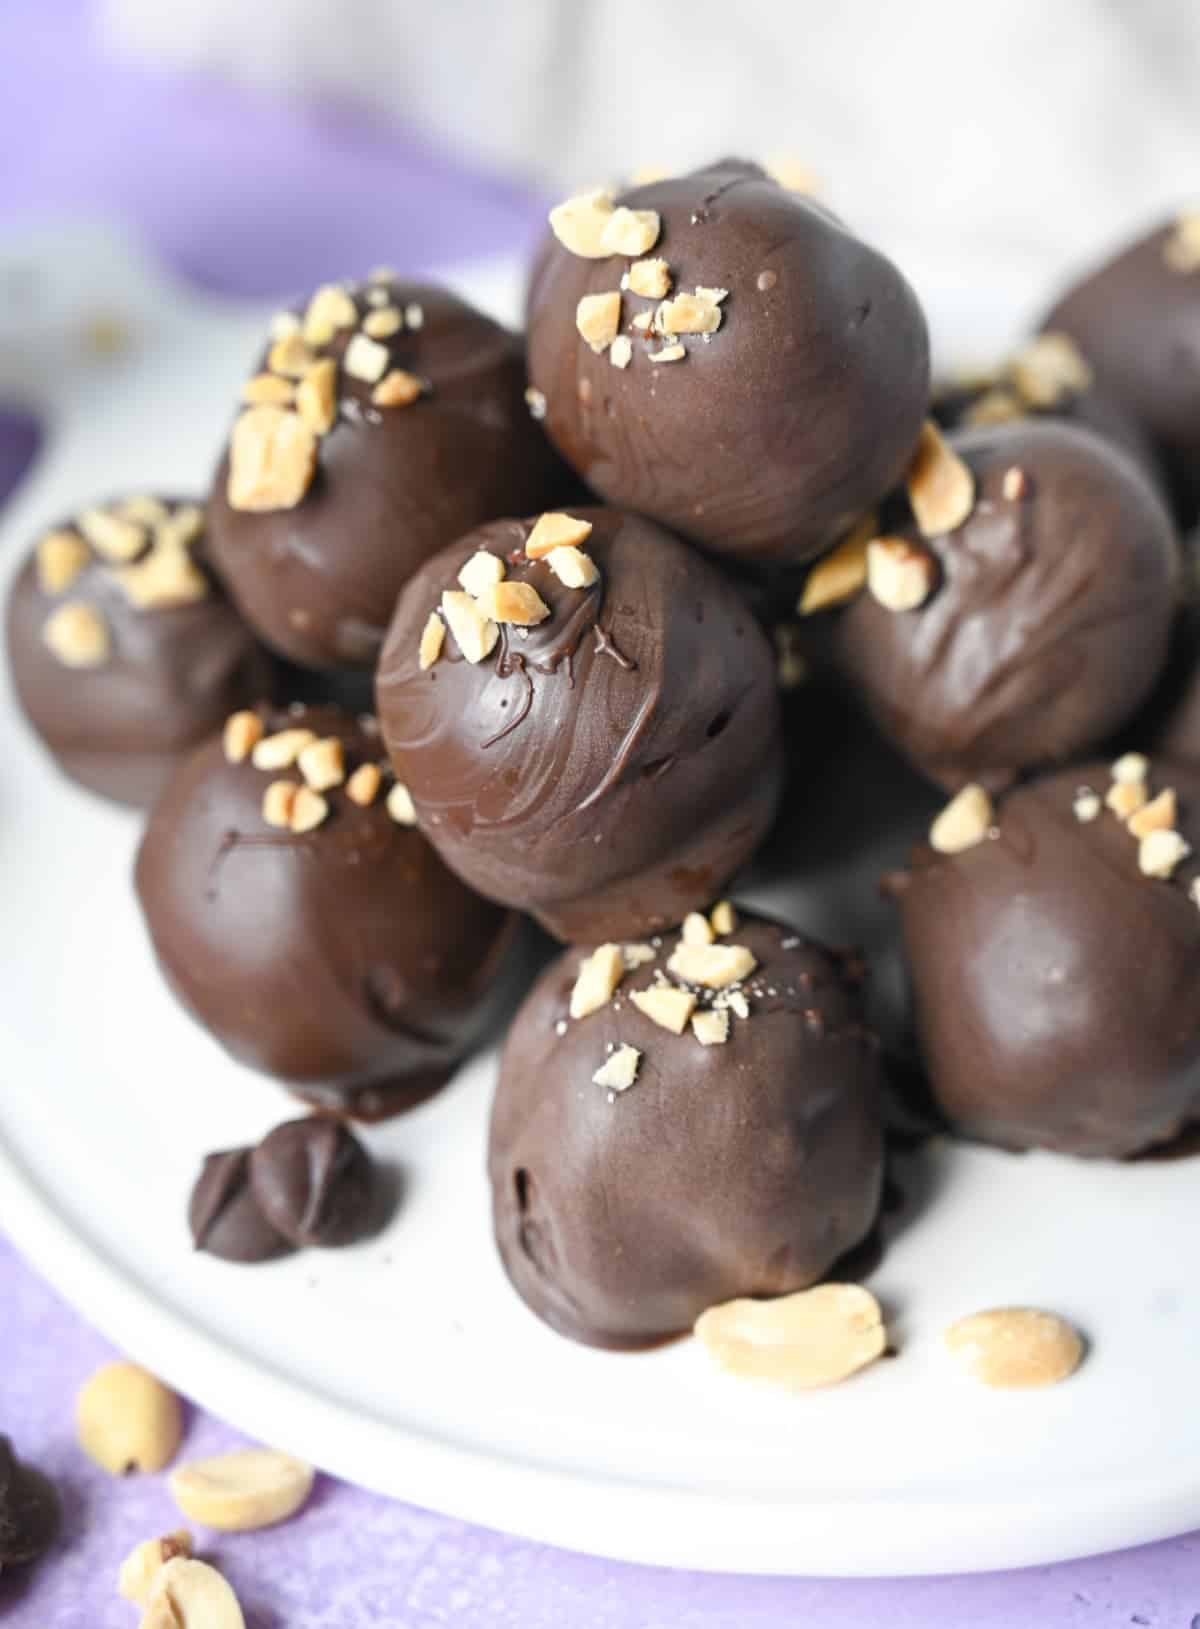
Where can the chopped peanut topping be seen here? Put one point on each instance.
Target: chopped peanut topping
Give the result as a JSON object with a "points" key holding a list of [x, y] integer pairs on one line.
{"points": [[290, 356], [993, 407], [481, 571], [697, 929], [272, 459], [630, 231], [400, 805], [316, 397], [281, 750], [398, 389], [363, 786], [268, 388], [1131, 766], [309, 810], [78, 635], [1048, 369], [598, 977], [723, 918], [620, 352], [282, 324], [579, 223], [714, 966], [383, 323], [474, 633], [572, 567], [1015, 484], [329, 309], [669, 353], [111, 537], [649, 278], [1125, 798], [277, 803], [1087, 806], [1160, 814], [433, 637], [619, 1071], [166, 576], [242, 732], [697, 313], [1161, 853], [711, 1028], [598, 317], [941, 488], [555, 531], [965, 821], [366, 359], [322, 763], [669, 1008], [900, 574], [61, 556], [514, 602]]}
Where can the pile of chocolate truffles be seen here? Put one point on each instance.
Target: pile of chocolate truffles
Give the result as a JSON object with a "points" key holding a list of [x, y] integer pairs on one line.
{"points": [[700, 585]]}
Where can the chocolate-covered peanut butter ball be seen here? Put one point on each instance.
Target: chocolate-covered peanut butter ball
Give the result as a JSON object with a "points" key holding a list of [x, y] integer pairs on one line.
{"points": [[681, 1122], [125, 652], [1136, 319], [385, 420], [722, 354], [1054, 948], [300, 917], [1031, 629], [585, 714]]}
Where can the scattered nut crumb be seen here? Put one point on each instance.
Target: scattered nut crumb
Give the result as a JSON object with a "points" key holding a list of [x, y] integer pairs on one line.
{"points": [[166, 576], [738, 1004], [433, 637], [363, 786], [290, 356], [1160, 853], [190, 1594], [723, 918], [1049, 368], [242, 1491], [400, 805], [1131, 767], [281, 750], [1160, 814], [579, 222], [127, 1420], [620, 352], [713, 966], [322, 763], [813, 1338], [1087, 805], [666, 1006], [316, 396], [630, 231], [398, 389], [111, 537], [697, 929], [695, 313], [365, 359], [1015, 484], [535, 401], [669, 353], [555, 531], [840, 574], [1125, 798], [900, 574], [599, 975], [268, 388], [272, 459], [649, 278], [711, 1028], [141, 1565], [383, 322], [642, 321], [598, 318], [518, 603], [243, 731], [77, 634], [414, 316], [474, 633], [1014, 1347], [572, 567], [637, 955], [941, 488], [61, 556], [329, 309], [277, 802], [619, 1071], [964, 822], [481, 571]]}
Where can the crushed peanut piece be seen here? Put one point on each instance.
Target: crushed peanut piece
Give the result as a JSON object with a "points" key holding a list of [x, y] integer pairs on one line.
{"points": [[61, 556], [242, 733], [272, 459], [268, 388], [941, 488], [716, 295], [316, 396], [619, 1071], [713, 966], [1161, 853], [1131, 766], [711, 1028], [642, 321], [290, 356], [433, 637], [697, 929], [535, 401], [141, 1566], [78, 635], [363, 786], [1160, 814], [1087, 805], [414, 316], [637, 955], [329, 309], [649, 278], [599, 975], [482, 571], [474, 633], [281, 750], [965, 821], [669, 353], [377, 297], [184, 526], [277, 801], [572, 567], [695, 313], [1181, 249], [900, 574], [401, 806], [630, 231], [1194, 891], [620, 352], [993, 407], [322, 763], [366, 359], [384, 322], [166, 576], [1125, 798], [398, 389], [1049, 368], [1014, 1347], [110, 536], [840, 574], [555, 531], [663, 1005], [1015, 484], [519, 603], [309, 810], [723, 918], [813, 1338], [598, 318], [579, 222]]}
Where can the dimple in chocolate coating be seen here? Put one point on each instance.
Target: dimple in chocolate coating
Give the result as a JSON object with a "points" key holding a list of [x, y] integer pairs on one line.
{"points": [[30, 1510], [312, 1180], [1057, 988], [746, 1168], [803, 408], [1137, 321], [346, 961], [1049, 622], [172, 676], [612, 769], [223, 1215], [393, 485]]}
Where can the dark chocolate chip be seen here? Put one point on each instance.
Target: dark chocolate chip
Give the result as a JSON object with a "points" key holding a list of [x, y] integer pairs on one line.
{"points": [[223, 1216], [313, 1180]]}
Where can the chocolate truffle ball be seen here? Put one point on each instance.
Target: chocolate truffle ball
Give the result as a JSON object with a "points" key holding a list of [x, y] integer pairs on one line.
{"points": [[304, 922], [606, 765], [724, 355], [1056, 963], [125, 653], [1136, 319], [223, 1215], [384, 421], [645, 1167], [1043, 618], [313, 1180], [30, 1510]]}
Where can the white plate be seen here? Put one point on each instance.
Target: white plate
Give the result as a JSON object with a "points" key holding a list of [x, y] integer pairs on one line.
{"points": [[407, 1364]]}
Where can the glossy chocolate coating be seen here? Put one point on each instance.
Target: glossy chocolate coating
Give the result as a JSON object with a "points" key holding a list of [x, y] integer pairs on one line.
{"points": [[612, 769], [1057, 988], [312, 1180], [346, 961], [171, 677], [746, 1168], [393, 485], [803, 408], [1137, 321], [30, 1510], [223, 1215], [1050, 621]]}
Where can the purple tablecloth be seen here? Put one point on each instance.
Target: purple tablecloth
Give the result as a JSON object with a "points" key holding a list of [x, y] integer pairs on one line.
{"points": [[260, 198]]}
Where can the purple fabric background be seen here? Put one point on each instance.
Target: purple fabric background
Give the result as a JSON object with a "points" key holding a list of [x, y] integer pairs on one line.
{"points": [[326, 194]]}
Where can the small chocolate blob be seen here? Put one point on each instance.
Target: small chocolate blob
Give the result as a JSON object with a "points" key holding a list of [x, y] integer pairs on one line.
{"points": [[1056, 982], [313, 1181], [743, 1166], [756, 415], [1136, 319], [396, 421], [1048, 615], [607, 767], [125, 652], [30, 1510], [315, 933], [225, 1219]]}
